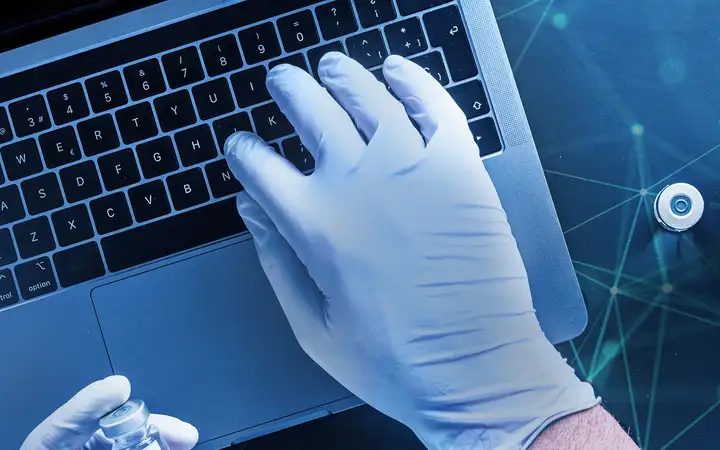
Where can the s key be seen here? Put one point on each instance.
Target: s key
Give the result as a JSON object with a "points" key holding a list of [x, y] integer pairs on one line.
{"points": [[260, 43]]}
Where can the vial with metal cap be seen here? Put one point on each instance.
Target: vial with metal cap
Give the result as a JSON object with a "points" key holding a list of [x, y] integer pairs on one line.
{"points": [[679, 207], [128, 428]]}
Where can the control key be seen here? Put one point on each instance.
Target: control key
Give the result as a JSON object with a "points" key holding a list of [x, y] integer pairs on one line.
{"points": [[8, 292]]}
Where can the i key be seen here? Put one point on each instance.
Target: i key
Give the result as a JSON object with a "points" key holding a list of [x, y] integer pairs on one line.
{"points": [[60, 147], [260, 43], [298, 31], [336, 19], [30, 116], [106, 91], [35, 278], [144, 79], [445, 29], [183, 67], [68, 104], [250, 86], [221, 55]]}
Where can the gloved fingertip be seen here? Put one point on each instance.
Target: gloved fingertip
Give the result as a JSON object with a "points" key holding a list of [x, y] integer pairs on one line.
{"points": [[393, 62], [256, 220], [238, 139], [117, 383], [329, 63], [178, 434]]}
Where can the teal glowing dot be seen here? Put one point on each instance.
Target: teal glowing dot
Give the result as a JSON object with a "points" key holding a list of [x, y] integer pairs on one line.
{"points": [[667, 288], [637, 129], [560, 21], [610, 349], [614, 291], [643, 192]]}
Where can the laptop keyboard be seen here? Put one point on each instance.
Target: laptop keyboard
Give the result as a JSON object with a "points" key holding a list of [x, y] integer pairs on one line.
{"points": [[112, 158]]}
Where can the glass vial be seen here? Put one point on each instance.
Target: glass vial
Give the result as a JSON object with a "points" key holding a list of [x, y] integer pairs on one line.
{"points": [[129, 429]]}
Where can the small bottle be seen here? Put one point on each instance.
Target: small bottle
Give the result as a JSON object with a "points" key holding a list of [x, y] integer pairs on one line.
{"points": [[129, 429]]}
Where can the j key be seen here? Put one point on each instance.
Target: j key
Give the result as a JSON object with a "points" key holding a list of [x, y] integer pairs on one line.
{"points": [[72, 225], [30, 116], [42, 193], [118, 169], [11, 207], [106, 91], [433, 64], [336, 19], [412, 6], [213, 98], [35, 278], [68, 104], [149, 201], [316, 54], [6, 134], [144, 79], [471, 98], [250, 86], [7, 248], [111, 213], [406, 38], [188, 189], [226, 127], [195, 145], [79, 264], [260, 43], [34, 237], [80, 181], [270, 122], [157, 157], [375, 12], [297, 60], [222, 182], [298, 31], [183, 67], [175, 111], [297, 154], [21, 159], [221, 55], [486, 136], [60, 147], [98, 135], [367, 48], [8, 291], [445, 29], [136, 123]]}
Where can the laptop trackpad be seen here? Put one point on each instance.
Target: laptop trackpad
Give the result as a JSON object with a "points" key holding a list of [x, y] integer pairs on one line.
{"points": [[206, 340]]}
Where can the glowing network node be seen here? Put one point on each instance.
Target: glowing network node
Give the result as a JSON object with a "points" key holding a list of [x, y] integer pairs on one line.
{"points": [[614, 290], [637, 129], [610, 349], [643, 192], [560, 21], [667, 288]]}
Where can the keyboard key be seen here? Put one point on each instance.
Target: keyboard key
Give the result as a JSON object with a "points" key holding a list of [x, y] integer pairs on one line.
{"points": [[6, 134], [157, 157], [316, 54], [21, 159], [471, 98], [195, 145], [226, 127], [11, 207], [260, 43], [445, 29], [72, 225], [213, 98], [222, 181], [297, 154], [106, 91], [30, 116], [187, 189], [68, 104], [60, 147], [35, 278], [34, 237], [111, 213], [136, 123], [486, 136], [270, 123], [144, 79], [221, 55], [375, 12], [183, 67], [149, 201], [412, 6], [42, 193], [297, 60], [79, 264], [175, 111], [433, 64], [118, 169], [80, 181], [98, 135], [367, 48], [406, 37], [172, 235], [336, 19], [8, 291], [7, 248], [250, 86], [298, 31]]}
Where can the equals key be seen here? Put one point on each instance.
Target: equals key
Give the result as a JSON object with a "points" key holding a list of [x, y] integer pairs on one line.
{"points": [[8, 292]]}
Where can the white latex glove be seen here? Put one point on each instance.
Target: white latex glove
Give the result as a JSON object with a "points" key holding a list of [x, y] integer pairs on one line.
{"points": [[394, 262], [74, 426]]}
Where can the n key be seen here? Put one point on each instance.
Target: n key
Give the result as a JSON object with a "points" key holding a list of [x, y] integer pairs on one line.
{"points": [[21, 159], [222, 182]]}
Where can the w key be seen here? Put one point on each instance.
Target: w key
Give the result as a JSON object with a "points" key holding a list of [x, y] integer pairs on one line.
{"points": [[21, 159]]}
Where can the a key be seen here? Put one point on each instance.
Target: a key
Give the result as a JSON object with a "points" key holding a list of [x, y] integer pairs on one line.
{"points": [[136, 123], [6, 134], [8, 291], [30, 116], [195, 145], [80, 181], [445, 29], [175, 111], [406, 37], [34, 237], [486, 136], [68, 104], [118, 169], [221, 55], [149, 201], [297, 154], [433, 64], [72, 225], [111, 213], [407, 7], [297, 60], [187, 189], [213, 98], [316, 54], [35, 278], [98, 135], [336, 19], [106, 91], [7, 248], [183, 67], [270, 122], [221, 180], [11, 207], [375, 12], [250, 86], [144, 79], [157, 157], [298, 31], [367, 48], [78, 265], [42, 193], [471, 98], [21, 159], [60, 147], [226, 127], [260, 43]]}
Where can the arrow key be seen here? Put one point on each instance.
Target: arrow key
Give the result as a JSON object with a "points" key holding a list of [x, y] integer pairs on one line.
{"points": [[486, 136], [471, 98], [8, 292]]}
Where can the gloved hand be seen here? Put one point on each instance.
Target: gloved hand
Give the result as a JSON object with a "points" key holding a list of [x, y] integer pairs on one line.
{"points": [[395, 263], [74, 426]]}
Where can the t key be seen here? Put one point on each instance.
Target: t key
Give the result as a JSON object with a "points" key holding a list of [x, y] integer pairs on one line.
{"points": [[136, 123], [30, 116], [144, 79]]}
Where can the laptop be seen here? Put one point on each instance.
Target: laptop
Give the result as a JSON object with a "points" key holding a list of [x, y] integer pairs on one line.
{"points": [[121, 251]]}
